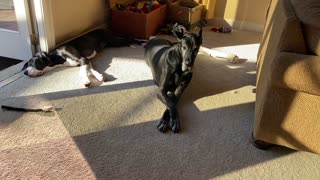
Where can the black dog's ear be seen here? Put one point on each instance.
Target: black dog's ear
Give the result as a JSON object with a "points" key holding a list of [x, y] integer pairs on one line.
{"points": [[178, 31], [200, 32], [25, 66], [200, 35], [41, 54], [45, 54]]}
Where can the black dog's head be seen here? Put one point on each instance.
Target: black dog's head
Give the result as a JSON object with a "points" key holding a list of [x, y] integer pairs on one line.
{"points": [[189, 44], [37, 64]]}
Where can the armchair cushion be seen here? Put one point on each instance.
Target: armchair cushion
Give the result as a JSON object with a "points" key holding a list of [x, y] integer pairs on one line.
{"points": [[297, 72], [308, 11]]}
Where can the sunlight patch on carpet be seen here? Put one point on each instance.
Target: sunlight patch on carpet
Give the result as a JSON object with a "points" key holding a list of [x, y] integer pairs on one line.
{"points": [[229, 98]]}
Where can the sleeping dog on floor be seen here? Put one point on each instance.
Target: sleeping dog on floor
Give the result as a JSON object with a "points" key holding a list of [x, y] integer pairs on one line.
{"points": [[74, 53], [171, 66]]}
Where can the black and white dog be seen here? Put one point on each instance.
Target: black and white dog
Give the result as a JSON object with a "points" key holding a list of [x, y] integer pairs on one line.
{"points": [[74, 53], [171, 66]]}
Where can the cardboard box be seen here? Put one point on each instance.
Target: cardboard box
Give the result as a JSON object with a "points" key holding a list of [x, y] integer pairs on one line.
{"points": [[136, 25], [185, 12]]}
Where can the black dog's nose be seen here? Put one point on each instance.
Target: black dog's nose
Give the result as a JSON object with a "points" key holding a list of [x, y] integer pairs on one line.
{"points": [[25, 73]]}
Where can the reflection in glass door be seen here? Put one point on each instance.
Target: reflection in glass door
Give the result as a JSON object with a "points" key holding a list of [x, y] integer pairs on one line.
{"points": [[15, 29], [7, 15]]}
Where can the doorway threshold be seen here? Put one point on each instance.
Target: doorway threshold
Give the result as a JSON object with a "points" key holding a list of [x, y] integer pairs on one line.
{"points": [[11, 74]]}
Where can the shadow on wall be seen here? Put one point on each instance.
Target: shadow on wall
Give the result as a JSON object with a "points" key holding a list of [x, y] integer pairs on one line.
{"points": [[240, 14]]}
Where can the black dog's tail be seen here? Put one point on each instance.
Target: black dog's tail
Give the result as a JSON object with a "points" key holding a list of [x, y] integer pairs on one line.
{"points": [[119, 42], [136, 41], [115, 41]]}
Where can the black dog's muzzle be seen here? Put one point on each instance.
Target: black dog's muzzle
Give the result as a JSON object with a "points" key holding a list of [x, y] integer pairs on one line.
{"points": [[36, 65]]}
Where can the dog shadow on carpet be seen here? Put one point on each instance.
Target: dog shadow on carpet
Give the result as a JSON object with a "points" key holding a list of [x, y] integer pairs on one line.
{"points": [[210, 148]]}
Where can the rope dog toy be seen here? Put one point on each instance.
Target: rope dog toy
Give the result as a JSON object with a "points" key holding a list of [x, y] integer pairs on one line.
{"points": [[43, 109]]}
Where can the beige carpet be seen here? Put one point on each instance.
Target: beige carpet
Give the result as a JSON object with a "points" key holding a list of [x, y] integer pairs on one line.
{"points": [[109, 131]]}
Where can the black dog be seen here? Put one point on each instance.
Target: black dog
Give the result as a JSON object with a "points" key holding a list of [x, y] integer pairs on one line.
{"points": [[76, 52], [171, 65]]}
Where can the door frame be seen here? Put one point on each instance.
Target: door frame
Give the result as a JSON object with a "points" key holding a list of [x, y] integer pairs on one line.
{"points": [[42, 17]]}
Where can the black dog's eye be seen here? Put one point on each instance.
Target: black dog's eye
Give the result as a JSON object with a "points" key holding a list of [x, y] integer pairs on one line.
{"points": [[184, 47]]}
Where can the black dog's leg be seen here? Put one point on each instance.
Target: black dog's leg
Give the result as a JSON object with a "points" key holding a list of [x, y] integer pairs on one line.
{"points": [[170, 100], [74, 54], [183, 83], [170, 114], [84, 71], [170, 118], [174, 122], [164, 122], [90, 54], [165, 99]]}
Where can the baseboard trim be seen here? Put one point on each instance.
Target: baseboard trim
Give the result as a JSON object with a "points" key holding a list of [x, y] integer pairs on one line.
{"points": [[239, 25]]}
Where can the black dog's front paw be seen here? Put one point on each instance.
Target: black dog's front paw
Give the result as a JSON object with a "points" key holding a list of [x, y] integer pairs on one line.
{"points": [[174, 122], [162, 126], [175, 125], [164, 122]]}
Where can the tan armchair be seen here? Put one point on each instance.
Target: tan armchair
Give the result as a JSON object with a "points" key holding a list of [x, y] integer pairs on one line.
{"points": [[287, 109]]}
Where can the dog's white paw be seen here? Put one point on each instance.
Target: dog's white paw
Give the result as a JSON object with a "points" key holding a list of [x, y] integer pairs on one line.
{"points": [[152, 37], [97, 75], [103, 79]]}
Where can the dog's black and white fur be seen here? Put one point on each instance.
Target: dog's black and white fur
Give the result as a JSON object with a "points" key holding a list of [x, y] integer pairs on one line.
{"points": [[171, 66], [74, 53]]}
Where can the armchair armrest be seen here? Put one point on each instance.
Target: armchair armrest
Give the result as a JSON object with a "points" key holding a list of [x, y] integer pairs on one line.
{"points": [[298, 72], [283, 32]]}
